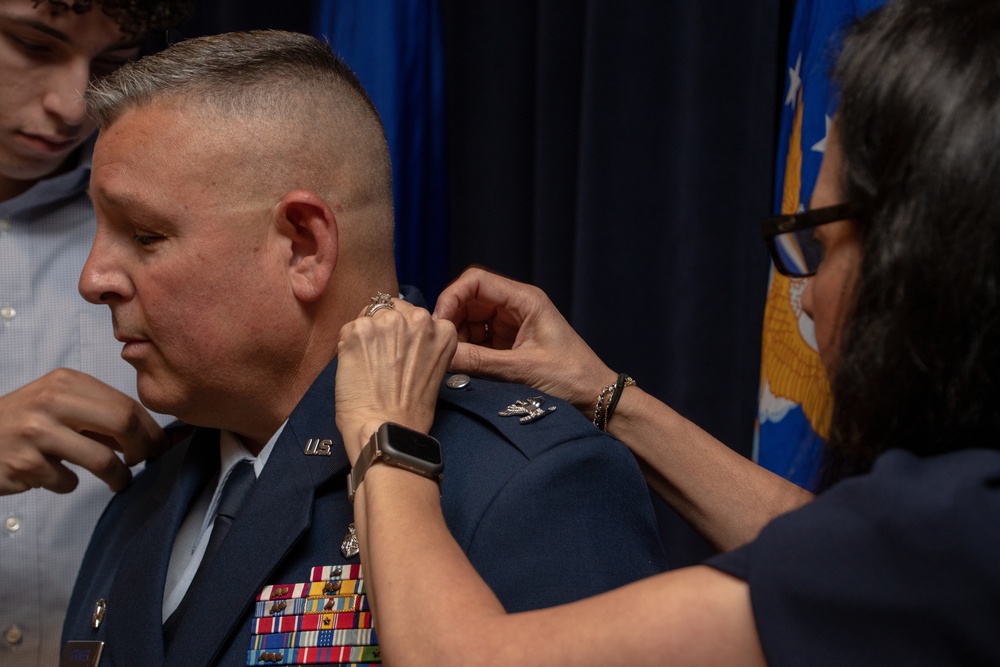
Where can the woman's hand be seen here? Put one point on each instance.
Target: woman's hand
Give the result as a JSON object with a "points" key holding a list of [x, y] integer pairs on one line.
{"points": [[390, 366], [512, 331]]}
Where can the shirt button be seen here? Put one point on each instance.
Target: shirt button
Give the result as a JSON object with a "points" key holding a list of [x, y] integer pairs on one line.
{"points": [[4, 226], [12, 524], [13, 635], [8, 313]]}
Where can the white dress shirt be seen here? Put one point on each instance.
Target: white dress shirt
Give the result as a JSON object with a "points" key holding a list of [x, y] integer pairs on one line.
{"points": [[192, 538]]}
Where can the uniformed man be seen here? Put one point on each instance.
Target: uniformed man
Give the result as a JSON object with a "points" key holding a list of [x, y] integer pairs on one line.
{"points": [[243, 190]]}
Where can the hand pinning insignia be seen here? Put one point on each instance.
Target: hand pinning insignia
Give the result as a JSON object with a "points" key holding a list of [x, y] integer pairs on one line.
{"points": [[528, 409]]}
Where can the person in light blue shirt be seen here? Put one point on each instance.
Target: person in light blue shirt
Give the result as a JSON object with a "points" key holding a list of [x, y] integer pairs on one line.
{"points": [[65, 395]]}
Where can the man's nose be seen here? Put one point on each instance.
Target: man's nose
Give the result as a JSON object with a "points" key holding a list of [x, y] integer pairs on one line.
{"points": [[64, 94], [103, 281]]}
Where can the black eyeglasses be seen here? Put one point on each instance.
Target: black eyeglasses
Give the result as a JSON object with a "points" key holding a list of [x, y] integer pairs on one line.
{"points": [[794, 249]]}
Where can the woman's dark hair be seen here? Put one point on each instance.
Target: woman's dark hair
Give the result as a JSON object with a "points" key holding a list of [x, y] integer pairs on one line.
{"points": [[919, 123]]}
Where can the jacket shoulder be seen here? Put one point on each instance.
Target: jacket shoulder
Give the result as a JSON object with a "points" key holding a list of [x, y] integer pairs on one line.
{"points": [[530, 420]]}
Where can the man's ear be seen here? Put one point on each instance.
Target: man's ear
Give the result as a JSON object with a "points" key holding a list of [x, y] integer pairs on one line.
{"points": [[309, 225]]}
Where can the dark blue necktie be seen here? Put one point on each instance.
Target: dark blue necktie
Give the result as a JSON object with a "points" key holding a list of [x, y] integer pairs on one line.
{"points": [[234, 492]]}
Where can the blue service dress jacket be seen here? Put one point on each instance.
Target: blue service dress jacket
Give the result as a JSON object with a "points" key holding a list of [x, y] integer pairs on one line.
{"points": [[548, 512]]}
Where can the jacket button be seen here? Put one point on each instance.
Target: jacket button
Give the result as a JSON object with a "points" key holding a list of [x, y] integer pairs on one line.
{"points": [[13, 635], [458, 381]]}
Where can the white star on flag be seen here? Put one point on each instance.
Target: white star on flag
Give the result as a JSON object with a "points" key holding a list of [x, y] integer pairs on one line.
{"points": [[794, 81], [820, 146]]}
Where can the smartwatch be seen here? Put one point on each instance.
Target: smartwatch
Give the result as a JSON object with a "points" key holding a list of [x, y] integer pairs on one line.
{"points": [[400, 447]]}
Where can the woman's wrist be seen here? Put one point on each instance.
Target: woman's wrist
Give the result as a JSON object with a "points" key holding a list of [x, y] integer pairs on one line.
{"points": [[633, 410], [587, 387], [356, 440], [388, 481]]}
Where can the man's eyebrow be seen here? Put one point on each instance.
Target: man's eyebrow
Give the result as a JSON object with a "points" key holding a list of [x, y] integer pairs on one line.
{"points": [[134, 206], [41, 26]]}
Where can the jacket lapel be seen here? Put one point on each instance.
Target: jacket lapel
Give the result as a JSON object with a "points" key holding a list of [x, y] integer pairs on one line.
{"points": [[277, 513], [137, 591]]}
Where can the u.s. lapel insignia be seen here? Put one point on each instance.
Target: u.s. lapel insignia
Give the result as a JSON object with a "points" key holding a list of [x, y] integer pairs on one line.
{"points": [[318, 447], [528, 410], [350, 547]]}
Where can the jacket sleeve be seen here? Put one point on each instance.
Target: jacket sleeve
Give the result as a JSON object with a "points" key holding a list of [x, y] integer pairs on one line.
{"points": [[573, 522]]}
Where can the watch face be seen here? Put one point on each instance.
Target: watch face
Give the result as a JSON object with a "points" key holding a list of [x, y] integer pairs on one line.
{"points": [[412, 443]]}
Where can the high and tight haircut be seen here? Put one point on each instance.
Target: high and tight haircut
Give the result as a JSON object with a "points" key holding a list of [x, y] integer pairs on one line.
{"points": [[267, 75], [919, 122]]}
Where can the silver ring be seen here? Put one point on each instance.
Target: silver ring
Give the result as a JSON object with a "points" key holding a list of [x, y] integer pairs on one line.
{"points": [[379, 301], [489, 334]]}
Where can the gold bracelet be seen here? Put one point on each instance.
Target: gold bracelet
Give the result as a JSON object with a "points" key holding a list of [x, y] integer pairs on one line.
{"points": [[601, 417]]}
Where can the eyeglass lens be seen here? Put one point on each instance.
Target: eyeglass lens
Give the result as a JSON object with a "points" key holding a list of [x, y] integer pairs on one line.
{"points": [[798, 252]]}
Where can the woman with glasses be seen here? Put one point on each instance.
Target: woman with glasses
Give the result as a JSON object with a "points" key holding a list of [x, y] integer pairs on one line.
{"points": [[897, 560]]}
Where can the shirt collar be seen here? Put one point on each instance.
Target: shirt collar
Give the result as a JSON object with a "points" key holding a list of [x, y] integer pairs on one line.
{"points": [[232, 451]]}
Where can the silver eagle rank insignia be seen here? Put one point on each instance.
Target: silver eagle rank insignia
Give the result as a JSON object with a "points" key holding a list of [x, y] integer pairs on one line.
{"points": [[527, 410]]}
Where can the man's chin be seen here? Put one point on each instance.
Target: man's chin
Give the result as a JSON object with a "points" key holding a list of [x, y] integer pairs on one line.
{"points": [[153, 397], [155, 404]]}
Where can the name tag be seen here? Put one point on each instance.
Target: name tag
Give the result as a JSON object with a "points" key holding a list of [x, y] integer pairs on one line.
{"points": [[81, 654]]}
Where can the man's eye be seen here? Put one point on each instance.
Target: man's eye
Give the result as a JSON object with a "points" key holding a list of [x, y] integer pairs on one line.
{"points": [[146, 240], [31, 47]]}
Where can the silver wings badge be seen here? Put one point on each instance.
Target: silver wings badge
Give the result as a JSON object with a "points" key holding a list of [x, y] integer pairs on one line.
{"points": [[527, 410]]}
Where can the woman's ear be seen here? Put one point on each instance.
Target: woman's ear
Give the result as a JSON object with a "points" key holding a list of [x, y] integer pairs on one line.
{"points": [[308, 224]]}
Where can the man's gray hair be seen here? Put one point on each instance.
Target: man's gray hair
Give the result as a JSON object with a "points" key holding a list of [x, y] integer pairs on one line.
{"points": [[266, 86], [237, 72]]}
